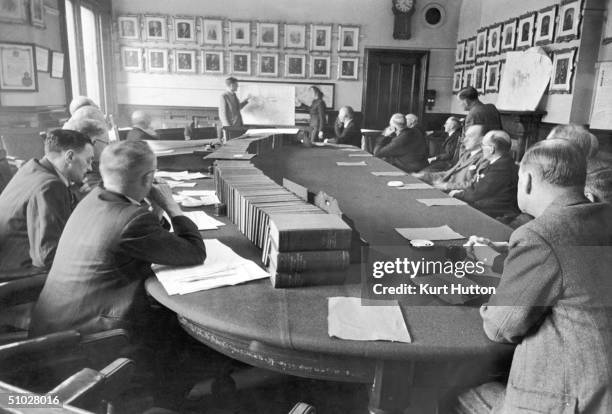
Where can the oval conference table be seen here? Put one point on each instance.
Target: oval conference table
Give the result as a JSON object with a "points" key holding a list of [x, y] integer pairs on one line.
{"points": [[286, 329]]}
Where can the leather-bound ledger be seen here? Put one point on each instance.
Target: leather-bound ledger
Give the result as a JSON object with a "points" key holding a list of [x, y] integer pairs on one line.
{"points": [[309, 260], [302, 232], [307, 278]]}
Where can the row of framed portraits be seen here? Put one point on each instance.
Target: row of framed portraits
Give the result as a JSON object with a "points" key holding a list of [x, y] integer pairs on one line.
{"points": [[21, 62], [486, 76], [14, 11], [185, 30], [240, 63], [549, 25]]}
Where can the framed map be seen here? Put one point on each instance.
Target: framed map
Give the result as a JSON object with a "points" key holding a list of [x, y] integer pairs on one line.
{"points": [[302, 94]]}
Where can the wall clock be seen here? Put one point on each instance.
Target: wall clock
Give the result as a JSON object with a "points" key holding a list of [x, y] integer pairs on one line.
{"points": [[402, 9]]}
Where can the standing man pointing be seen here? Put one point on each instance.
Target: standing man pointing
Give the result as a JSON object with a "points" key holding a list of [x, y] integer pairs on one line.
{"points": [[230, 105]]}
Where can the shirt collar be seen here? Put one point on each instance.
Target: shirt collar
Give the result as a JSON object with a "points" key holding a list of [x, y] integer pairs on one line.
{"points": [[60, 175], [346, 122], [131, 200]]}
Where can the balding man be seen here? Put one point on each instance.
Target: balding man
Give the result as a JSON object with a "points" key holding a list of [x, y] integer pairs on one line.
{"points": [[449, 153], [346, 130], [402, 146], [553, 299], [37, 202], [81, 102], [141, 127], [97, 279], [494, 190], [586, 142]]}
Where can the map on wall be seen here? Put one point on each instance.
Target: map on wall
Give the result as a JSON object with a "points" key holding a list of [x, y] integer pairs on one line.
{"points": [[601, 116], [524, 80], [269, 104]]}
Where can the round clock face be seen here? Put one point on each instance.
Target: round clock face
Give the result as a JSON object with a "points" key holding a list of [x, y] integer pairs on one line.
{"points": [[404, 5]]}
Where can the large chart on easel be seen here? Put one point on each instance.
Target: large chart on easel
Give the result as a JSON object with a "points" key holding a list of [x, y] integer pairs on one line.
{"points": [[269, 103]]}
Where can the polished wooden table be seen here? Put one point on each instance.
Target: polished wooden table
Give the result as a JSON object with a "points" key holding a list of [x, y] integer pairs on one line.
{"points": [[286, 329]]}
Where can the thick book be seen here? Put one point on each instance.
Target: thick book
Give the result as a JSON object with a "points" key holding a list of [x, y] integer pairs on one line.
{"points": [[299, 232], [308, 260], [306, 278]]}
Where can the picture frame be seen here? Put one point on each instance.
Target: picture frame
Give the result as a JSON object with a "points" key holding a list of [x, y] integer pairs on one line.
{"points": [[570, 16], [348, 68], [470, 50], [460, 52], [563, 71], [320, 37], [184, 61], [348, 38], [12, 11], [481, 42], [57, 65], [267, 34], [128, 27], [240, 63], [494, 40], [42, 59], [457, 80], [524, 32], [18, 67], [131, 59], [480, 72], [212, 62], [240, 33], [295, 66], [156, 28], [319, 66], [468, 77], [295, 36], [157, 60], [267, 64], [509, 35], [493, 77], [37, 13], [184, 29], [545, 26], [212, 31]]}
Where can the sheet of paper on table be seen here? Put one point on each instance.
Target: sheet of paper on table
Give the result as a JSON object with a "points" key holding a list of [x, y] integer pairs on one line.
{"points": [[207, 196], [181, 175], [203, 220], [360, 155], [347, 164], [415, 186], [448, 201], [174, 184], [347, 318], [389, 173], [222, 267], [353, 149], [430, 233], [268, 131]]}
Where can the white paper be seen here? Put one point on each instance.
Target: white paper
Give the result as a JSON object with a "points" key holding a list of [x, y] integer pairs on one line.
{"points": [[181, 175], [415, 186], [203, 220], [389, 173], [347, 164], [360, 155], [268, 131], [174, 184], [447, 201], [429, 233]]}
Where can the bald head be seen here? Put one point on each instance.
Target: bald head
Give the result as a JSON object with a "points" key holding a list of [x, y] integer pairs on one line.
{"points": [[127, 167], [79, 102], [141, 119], [398, 121], [88, 112], [578, 135], [473, 137], [411, 120]]}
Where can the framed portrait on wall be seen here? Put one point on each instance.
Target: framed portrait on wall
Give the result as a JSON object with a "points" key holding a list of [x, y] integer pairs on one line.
{"points": [[320, 37], [131, 59], [57, 65], [295, 36], [267, 64], [18, 67], [348, 39], [468, 77], [457, 80], [213, 31], [494, 44], [348, 68], [479, 77], [563, 70], [240, 33], [155, 28], [184, 29], [37, 13], [460, 52], [493, 74], [12, 11], [545, 25], [509, 35], [570, 16], [524, 33], [42, 59], [267, 34], [128, 27], [213, 62], [470, 50], [157, 60], [481, 42], [241, 63], [319, 66], [295, 66], [185, 61]]}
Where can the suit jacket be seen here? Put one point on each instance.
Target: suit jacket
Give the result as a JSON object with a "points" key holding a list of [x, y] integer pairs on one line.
{"points": [[407, 151], [553, 300], [317, 118], [138, 134], [449, 148], [349, 135], [34, 208], [494, 189], [229, 109], [97, 279], [461, 175], [483, 114]]}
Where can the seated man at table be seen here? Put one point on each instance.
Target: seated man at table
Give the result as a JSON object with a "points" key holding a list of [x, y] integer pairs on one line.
{"points": [[401, 146], [346, 129], [449, 153], [494, 190], [37, 202], [461, 175], [554, 296], [586, 142], [105, 253], [79, 102], [141, 127], [598, 187]]}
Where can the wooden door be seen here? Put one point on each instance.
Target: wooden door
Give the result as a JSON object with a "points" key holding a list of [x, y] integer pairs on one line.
{"points": [[395, 82]]}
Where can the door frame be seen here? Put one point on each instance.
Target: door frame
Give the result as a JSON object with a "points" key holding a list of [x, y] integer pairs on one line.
{"points": [[424, 53]]}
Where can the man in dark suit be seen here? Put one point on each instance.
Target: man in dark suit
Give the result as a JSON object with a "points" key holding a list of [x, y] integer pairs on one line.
{"points": [[449, 154], [346, 129], [37, 202], [141, 127], [105, 253], [401, 146], [478, 113], [553, 299], [494, 190], [230, 105]]}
